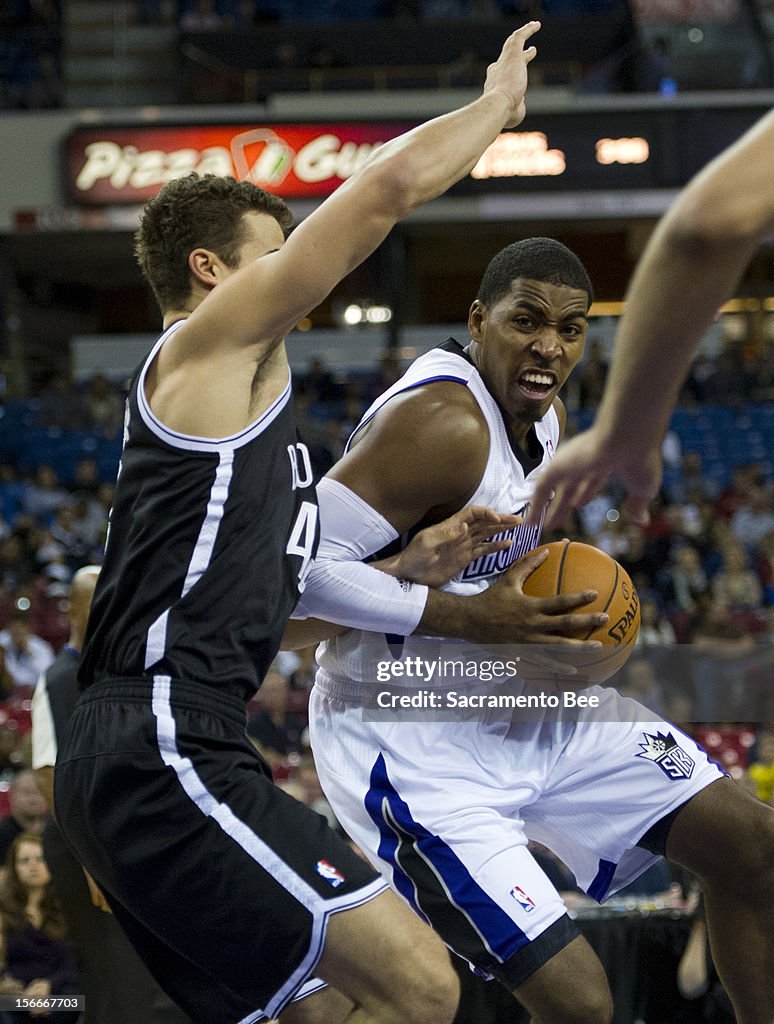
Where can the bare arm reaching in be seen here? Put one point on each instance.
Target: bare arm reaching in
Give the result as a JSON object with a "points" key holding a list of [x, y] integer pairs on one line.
{"points": [[688, 269], [203, 382]]}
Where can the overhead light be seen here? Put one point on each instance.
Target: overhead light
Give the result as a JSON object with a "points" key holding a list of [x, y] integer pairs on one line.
{"points": [[365, 312], [352, 315]]}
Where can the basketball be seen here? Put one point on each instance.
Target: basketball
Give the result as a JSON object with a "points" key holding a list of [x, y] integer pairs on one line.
{"points": [[570, 568]]}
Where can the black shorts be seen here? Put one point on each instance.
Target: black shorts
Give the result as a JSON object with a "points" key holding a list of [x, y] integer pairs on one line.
{"points": [[222, 882]]}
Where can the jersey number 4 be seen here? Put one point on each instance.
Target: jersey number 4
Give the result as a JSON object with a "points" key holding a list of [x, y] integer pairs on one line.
{"points": [[304, 532], [302, 538]]}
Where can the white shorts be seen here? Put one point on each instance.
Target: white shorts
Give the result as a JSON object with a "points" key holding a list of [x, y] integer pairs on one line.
{"points": [[445, 809]]}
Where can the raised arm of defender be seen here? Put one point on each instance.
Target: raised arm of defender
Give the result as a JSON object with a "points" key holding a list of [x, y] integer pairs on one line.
{"points": [[262, 302]]}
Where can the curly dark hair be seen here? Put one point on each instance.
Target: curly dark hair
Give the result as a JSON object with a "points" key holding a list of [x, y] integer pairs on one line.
{"points": [[538, 259], [194, 211], [13, 897]]}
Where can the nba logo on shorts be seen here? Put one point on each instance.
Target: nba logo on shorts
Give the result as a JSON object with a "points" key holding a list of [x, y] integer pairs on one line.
{"points": [[329, 873], [663, 750], [526, 902]]}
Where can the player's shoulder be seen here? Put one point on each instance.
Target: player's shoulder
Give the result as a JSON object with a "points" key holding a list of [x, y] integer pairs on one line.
{"points": [[442, 406], [435, 430]]}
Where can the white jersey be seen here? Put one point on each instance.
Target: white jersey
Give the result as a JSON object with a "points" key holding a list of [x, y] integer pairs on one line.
{"points": [[505, 486], [444, 806]]}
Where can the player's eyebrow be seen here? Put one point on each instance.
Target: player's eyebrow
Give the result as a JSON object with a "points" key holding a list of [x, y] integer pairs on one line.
{"points": [[537, 310]]}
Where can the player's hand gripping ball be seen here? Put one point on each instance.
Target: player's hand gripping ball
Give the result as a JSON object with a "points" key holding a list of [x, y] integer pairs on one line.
{"points": [[572, 567]]}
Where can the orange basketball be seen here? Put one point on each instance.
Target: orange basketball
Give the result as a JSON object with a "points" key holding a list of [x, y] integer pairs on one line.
{"points": [[570, 568]]}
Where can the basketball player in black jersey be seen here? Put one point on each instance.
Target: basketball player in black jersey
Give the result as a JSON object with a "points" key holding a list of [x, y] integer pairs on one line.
{"points": [[232, 892]]}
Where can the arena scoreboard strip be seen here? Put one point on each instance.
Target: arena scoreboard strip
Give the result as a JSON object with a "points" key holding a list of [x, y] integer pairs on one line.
{"points": [[657, 146]]}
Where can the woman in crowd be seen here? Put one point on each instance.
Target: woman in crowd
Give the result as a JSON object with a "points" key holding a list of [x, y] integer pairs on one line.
{"points": [[39, 961]]}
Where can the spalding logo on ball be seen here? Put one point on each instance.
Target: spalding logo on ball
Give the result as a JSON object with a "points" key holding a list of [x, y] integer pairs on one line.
{"points": [[572, 567]]}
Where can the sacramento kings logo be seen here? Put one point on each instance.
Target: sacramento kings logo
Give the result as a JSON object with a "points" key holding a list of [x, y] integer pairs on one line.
{"points": [[664, 750]]}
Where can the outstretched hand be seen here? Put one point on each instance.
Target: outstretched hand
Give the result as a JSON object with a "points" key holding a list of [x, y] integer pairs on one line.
{"points": [[439, 552], [580, 470], [508, 74]]}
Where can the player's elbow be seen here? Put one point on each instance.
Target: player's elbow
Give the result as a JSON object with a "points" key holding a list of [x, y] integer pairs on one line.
{"points": [[708, 221], [396, 183]]}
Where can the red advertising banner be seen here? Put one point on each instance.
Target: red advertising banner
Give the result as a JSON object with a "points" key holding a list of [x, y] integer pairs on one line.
{"points": [[128, 165]]}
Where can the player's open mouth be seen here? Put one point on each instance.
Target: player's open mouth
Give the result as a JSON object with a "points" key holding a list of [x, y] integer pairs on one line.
{"points": [[537, 384]]}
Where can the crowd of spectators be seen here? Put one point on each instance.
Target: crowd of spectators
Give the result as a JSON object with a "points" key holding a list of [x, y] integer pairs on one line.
{"points": [[703, 566]]}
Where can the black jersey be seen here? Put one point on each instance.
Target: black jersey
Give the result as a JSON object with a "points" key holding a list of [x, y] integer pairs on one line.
{"points": [[207, 542]]}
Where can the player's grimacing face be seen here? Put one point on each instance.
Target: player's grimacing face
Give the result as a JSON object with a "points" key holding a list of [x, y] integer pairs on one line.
{"points": [[529, 341]]}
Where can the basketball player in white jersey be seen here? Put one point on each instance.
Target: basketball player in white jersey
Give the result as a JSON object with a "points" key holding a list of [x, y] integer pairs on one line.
{"points": [[445, 808]]}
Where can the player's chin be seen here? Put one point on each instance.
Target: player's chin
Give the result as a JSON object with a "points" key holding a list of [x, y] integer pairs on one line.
{"points": [[531, 411]]}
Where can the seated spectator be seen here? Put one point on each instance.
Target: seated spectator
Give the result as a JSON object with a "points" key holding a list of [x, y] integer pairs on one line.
{"points": [[277, 733], [642, 555], [62, 405], [736, 586], [26, 655], [39, 960], [86, 477], [761, 771], [320, 384], [28, 811], [44, 495], [737, 493], [104, 406], [64, 532], [639, 682], [695, 383], [691, 482], [722, 648], [726, 384], [592, 376], [655, 629], [754, 519], [689, 582], [89, 523]]}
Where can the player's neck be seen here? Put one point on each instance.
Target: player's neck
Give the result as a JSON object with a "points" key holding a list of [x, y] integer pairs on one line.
{"points": [[173, 315], [195, 297]]}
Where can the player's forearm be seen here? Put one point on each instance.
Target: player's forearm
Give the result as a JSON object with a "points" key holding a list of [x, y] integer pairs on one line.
{"points": [[689, 268], [449, 615], [672, 301], [300, 633], [432, 157]]}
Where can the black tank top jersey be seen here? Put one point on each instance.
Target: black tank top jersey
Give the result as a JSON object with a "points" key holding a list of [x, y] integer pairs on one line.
{"points": [[206, 545]]}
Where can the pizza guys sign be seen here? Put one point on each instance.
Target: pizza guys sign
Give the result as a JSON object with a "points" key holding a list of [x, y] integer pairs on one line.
{"points": [[129, 165]]}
